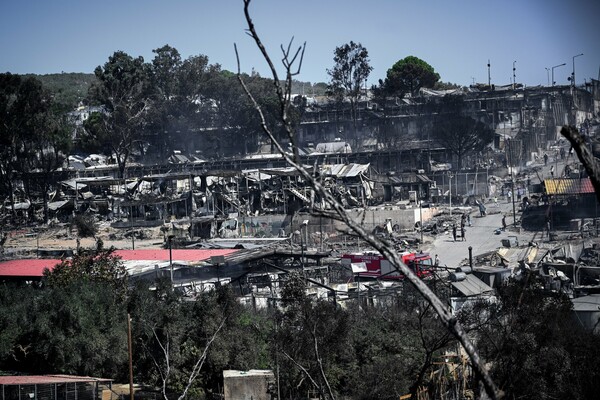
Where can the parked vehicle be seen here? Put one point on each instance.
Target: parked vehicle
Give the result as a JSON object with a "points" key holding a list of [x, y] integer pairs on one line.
{"points": [[374, 265]]}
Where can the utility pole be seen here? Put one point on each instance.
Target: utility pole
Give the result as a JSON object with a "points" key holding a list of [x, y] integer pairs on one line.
{"points": [[170, 237], [573, 73], [548, 74], [489, 75], [514, 76]]}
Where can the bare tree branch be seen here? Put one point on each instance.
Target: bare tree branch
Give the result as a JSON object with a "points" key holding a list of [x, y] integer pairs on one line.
{"points": [[320, 362], [164, 375], [310, 378], [386, 250], [200, 362]]}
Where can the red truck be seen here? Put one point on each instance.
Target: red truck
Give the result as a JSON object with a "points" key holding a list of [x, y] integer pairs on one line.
{"points": [[374, 265]]}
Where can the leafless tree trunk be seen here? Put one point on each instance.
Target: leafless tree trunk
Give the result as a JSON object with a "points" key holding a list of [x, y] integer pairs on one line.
{"points": [[292, 62], [585, 155], [165, 370]]}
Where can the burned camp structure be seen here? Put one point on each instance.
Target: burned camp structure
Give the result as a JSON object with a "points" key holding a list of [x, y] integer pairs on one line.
{"points": [[218, 203], [569, 204]]}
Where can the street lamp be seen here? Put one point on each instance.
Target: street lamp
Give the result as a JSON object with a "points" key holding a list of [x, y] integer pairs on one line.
{"points": [[548, 74], [573, 74], [556, 66]]}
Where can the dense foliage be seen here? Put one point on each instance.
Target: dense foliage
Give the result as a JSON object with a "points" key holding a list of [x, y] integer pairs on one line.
{"points": [[535, 349], [76, 323], [34, 135]]}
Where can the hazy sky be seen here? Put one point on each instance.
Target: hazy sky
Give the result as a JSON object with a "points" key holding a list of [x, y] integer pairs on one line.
{"points": [[457, 37]]}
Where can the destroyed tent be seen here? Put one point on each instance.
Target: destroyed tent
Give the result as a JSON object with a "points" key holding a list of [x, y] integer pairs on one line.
{"points": [[348, 183], [569, 199]]}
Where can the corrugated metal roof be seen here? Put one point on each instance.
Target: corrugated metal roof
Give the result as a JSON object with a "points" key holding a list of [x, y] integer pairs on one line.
{"points": [[562, 186], [472, 286], [47, 379], [177, 254], [344, 170]]}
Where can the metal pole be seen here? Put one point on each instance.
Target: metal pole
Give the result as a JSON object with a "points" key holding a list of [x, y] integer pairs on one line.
{"points": [[573, 75], [471, 257], [421, 218], [514, 194], [556, 66], [171, 259], [130, 350]]}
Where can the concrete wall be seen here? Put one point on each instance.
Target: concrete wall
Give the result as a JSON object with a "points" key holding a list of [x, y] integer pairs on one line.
{"points": [[248, 385], [374, 216]]}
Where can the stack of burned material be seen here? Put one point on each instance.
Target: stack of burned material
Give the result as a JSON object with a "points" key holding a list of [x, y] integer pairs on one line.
{"points": [[571, 268]]}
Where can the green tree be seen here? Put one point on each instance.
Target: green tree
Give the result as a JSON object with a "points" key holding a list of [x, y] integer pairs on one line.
{"points": [[183, 347], [312, 343], [462, 135], [79, 329], [123, 88], [164, 70], [408, 76], [53, 143], [349, 73], [168, 107], [99, 265], [532, 346], [34, 135]]}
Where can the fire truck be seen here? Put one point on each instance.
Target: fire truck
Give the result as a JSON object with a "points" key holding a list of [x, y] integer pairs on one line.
{"points": [[374, 265]]}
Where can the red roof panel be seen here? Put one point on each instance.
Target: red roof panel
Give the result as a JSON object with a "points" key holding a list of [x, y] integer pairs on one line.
{"points": [[29, 267], [35, 267]]}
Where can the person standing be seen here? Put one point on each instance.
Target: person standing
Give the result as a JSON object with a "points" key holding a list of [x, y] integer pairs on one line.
{"points": [[462, 233], [545, 159], [454, 232], [504, 222], [437, 261]]}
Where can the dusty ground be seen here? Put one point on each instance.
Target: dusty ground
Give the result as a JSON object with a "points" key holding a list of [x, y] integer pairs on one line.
{"points": [[63, 237]]}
